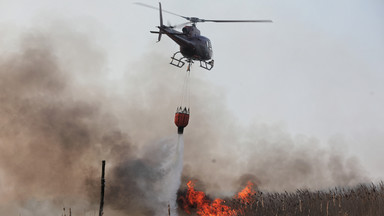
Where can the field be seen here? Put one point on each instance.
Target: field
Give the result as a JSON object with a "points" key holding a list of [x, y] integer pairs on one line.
{"points": [[361, 200]]}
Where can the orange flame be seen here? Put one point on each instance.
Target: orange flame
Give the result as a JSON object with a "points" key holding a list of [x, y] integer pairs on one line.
{"points": [[206, 207], [246, 193]]}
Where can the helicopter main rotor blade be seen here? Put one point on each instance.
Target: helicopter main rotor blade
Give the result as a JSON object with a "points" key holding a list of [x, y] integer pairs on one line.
{"points": [[234, 21], [196, 19], [181, 25], [156, 8]]}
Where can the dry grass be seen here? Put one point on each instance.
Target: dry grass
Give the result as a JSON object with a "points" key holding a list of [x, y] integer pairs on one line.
{"points": [[362, 200]]}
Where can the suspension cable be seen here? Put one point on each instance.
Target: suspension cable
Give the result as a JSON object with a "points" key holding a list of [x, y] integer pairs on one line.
{"points": [[185, 95]]}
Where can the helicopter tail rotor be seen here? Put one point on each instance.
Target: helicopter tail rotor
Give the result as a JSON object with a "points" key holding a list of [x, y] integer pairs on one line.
{"points": [[161, 22], [160, 32]]}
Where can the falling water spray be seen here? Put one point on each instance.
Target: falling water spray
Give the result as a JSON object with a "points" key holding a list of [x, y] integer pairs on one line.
{"points": [[175, 167]]}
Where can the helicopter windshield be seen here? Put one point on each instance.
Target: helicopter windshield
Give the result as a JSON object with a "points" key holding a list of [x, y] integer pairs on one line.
{"points": [[209, 45]]}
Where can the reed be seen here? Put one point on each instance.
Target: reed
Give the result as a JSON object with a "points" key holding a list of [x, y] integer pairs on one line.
{"points": [[364, 199]]}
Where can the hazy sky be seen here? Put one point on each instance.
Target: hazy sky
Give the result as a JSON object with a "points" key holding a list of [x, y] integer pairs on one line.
{"points": [[318, 70]]}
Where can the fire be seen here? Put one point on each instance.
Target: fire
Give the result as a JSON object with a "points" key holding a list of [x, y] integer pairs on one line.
{"points": [[206, 207], [246, 193]]}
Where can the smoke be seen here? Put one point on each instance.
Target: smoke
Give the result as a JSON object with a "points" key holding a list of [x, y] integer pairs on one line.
{"points": [[52, 133], [267, 155], [55, 130], [58, 121], [146, 186]]}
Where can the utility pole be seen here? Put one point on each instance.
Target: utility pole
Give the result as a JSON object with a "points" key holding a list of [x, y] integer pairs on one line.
{"points": [[102, 188]]}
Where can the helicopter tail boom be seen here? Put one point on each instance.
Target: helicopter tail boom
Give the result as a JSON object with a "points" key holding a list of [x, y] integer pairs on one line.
{"points": [[170, 33]]}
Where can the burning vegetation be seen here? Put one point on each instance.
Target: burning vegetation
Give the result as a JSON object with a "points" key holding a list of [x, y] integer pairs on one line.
{"points": [[359, 200]]}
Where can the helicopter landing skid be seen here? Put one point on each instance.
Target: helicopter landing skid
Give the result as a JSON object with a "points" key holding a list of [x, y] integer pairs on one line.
{"points": [[180, 62], [177, 61], [207, 65]]}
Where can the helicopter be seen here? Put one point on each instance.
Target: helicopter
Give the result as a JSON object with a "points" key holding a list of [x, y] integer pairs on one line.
{"points": [[193, 46]]}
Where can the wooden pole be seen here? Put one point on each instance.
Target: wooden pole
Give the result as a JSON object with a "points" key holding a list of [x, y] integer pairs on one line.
{"points": [[102, 188]]}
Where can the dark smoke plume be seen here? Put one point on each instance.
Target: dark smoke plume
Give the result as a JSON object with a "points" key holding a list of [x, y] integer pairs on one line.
{"points": [[57, 122], [53, 133], [56, 128]]}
